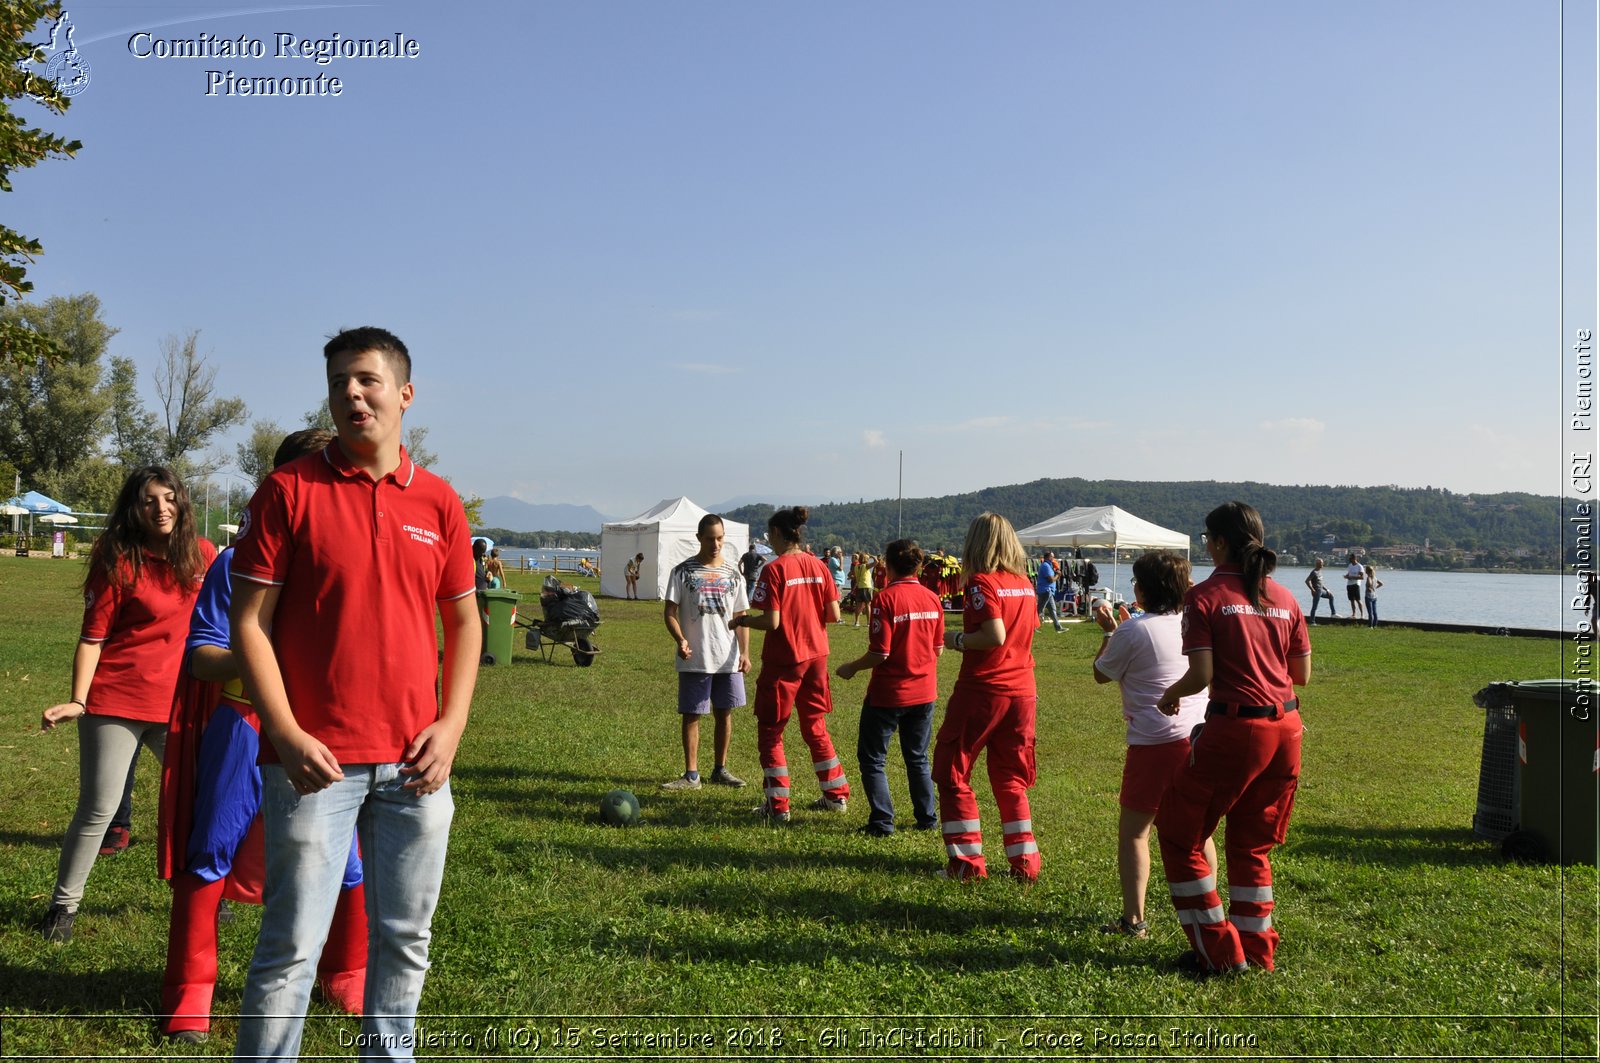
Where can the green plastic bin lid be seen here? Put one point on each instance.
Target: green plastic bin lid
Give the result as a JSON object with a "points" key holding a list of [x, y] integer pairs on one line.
{"points": [[500, 594]]}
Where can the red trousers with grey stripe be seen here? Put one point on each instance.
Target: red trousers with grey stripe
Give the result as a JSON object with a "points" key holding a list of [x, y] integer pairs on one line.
{"points": [[1247, 771], [1002, 724], [800, 689]]}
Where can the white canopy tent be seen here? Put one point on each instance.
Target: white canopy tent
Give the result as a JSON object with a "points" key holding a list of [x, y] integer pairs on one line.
{"points": [[1106, 527], [665, 535]]}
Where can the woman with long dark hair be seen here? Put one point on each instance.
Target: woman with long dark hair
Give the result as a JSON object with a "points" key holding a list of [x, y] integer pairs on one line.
{"points": [[796, 598], [1246, 639], [992, 706], [144, 573]]}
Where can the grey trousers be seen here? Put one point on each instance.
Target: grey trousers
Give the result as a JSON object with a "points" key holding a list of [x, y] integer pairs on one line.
{"points": [[106, 745]]}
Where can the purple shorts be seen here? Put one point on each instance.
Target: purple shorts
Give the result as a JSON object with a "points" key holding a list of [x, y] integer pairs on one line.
{"points": [[700, 692]]}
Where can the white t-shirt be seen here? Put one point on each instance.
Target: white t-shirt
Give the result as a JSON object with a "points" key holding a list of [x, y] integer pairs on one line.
{"points": [[1145, 656], [1355, 573], [707, 597]]}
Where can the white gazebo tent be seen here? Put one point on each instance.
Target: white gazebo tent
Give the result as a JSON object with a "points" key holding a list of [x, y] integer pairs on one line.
{"points": [[1107, 527], [665, 535]]}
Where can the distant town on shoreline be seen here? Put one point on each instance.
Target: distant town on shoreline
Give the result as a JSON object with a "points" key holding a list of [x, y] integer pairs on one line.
{"points": [[1422, 528]]}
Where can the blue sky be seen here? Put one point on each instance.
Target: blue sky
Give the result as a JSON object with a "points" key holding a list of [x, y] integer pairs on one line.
{"points": [[641, 249]]}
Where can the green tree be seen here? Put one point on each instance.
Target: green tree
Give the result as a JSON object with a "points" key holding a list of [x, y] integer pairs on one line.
{"points": [[22, 146], [88, 486], [256, 453], [319, 417], [135, 436], [193, 413], [417, 448], [52, 411]]}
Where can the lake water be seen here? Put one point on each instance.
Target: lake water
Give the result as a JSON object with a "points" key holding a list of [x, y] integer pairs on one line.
{"points": [[543, 560], [1500, 599], [1492, 598]]}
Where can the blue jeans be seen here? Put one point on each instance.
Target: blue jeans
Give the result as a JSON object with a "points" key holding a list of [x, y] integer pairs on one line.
{"points": [[403, 840], [1372, 610], [1048, 607], [915, 724], [1316, 600]]}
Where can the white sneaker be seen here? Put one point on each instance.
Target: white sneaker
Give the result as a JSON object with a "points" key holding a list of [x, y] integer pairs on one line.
{"points": [[764, 812], [830, 804], [682, 782]]}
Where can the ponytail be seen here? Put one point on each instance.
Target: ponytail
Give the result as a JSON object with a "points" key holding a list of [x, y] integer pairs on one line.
{"points": [[1239, 526], [1257, 563], [790, 523]]}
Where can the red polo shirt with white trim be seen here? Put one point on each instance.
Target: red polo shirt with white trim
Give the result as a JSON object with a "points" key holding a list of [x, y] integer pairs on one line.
{"points": [[1250, 645], [141, 627], [799, 587], [362, 567], [1008, 668], [908, 628]]}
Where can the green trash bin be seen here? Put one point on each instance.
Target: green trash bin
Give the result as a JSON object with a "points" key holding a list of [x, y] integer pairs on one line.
{"points": [[1558, 755], [498, 609]]}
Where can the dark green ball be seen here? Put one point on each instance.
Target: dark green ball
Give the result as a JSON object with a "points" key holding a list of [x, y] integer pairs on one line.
{"points": [[619, 808]]}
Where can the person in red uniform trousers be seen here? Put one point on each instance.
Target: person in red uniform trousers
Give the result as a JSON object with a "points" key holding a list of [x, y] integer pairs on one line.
{"points": [[992, 706], [796, 598], [1246, 639], [210, 826], [144, 573]]}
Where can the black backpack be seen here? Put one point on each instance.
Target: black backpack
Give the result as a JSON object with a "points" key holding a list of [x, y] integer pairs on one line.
{"points": [[1091, 575]]}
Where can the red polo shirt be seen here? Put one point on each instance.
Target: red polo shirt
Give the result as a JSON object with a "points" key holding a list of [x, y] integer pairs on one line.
{"points": [[362, 567], [908, 627], [1006, 669], [800, 588], [141, 630], [1250, 647]]}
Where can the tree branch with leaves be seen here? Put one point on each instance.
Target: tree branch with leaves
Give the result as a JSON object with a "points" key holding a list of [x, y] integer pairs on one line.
{"points": [[22, 146]]}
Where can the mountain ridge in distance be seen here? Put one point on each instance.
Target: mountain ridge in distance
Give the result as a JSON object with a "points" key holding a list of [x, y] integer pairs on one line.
{"points": [[513, 514]]}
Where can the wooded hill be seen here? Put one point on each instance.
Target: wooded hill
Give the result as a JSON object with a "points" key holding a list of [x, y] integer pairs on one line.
{"points": [[1509, 530]]}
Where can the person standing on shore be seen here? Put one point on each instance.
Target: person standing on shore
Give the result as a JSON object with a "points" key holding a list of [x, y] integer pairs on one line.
{"points": [[1319, 591], [1373, 583], [1353, 577], [1044, 588], [1246, 639]]}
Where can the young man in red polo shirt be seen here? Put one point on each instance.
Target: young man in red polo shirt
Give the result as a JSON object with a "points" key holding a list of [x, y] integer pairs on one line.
{"points": [[342, 561]]}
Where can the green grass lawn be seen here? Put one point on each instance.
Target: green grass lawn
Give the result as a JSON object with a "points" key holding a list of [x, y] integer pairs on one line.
{"points": [[703, 933]]}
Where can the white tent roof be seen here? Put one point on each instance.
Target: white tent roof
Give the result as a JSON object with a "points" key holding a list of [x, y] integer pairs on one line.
{"points": [[1107, 526], [677, 512], [665, 535]]}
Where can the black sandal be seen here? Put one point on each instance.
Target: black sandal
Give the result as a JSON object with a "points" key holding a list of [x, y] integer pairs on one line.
{"points": [[1140, 929]]}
